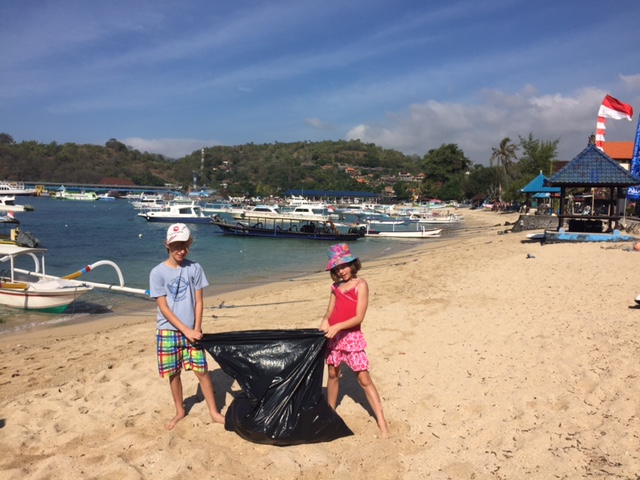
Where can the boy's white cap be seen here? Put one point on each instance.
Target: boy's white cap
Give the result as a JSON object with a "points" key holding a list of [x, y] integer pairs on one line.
{"points": [[178, 232]]}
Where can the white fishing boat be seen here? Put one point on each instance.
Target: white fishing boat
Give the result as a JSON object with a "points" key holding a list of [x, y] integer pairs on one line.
{"points": [[383, 219], [191, 213], [421, 232], [35, 290], [435, 218]]}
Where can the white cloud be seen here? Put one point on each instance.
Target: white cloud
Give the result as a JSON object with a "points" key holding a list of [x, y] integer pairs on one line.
{"points": [[475, 128], [317, 124], [169, 147]]}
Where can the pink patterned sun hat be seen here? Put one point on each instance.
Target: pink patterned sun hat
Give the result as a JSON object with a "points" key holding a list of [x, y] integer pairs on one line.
{"points": [[339, 254]]}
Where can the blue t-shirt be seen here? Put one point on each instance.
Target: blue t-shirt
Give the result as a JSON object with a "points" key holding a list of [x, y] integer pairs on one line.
{"points": [[179, 285]]}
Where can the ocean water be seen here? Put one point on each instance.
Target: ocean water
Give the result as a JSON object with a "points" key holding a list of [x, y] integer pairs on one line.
{"points": [[78, 233]]}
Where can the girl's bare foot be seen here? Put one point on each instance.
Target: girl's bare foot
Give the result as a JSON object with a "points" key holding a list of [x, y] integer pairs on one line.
{"points": [[174, 420], [384, 430]]}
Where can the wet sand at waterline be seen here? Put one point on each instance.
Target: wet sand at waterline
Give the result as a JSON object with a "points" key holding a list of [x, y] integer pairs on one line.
{"points": [[494, 357]]}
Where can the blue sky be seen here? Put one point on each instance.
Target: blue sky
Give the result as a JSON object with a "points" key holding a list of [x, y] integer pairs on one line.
{"points": [[170, 77]]}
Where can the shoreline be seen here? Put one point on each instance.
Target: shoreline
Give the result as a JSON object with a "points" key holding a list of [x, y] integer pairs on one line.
{"points": [[491, 354]]}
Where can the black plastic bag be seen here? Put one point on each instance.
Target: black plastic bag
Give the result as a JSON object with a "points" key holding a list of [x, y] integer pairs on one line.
{"points": [[280, 373], [26, 239]]}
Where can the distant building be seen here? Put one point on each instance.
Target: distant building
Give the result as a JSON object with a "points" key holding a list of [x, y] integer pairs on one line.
{"points": [[621, 152], [117, 182]]}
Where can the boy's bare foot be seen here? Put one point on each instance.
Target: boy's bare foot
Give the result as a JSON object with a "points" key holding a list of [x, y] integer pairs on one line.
{"points": [[174, 420], [217, 417]]}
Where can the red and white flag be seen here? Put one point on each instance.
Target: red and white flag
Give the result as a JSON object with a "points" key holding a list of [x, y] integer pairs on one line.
{"points": [[610, 108]]}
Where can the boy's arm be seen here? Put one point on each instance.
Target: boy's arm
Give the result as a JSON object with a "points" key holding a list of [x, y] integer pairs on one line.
{"points": [[199, 309]]}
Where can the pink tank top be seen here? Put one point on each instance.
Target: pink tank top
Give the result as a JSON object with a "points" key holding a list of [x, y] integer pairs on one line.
{"points": [[346, 305]]}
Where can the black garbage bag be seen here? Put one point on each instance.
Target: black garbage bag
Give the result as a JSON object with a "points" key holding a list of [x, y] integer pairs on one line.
{"points": [[280, 373], [26, 239]]}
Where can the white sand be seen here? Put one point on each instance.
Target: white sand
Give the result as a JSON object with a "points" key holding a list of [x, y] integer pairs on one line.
{"points": [[490, 365]]}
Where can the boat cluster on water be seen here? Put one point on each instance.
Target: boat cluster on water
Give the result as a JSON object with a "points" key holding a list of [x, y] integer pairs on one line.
{"points": [[295, 217], [300, 218]]}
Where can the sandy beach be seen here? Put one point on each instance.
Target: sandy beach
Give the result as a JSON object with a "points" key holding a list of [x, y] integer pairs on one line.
{"points": [[494, 357]]}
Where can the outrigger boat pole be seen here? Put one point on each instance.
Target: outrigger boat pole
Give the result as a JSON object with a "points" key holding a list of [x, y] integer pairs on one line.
{"points": [[120, 288]]}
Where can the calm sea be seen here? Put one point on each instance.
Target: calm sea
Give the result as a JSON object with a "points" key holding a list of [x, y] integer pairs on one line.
{"points": [[78, 233]]}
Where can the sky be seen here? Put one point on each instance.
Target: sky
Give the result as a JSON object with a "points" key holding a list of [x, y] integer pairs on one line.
{"points": [[172, 77]]}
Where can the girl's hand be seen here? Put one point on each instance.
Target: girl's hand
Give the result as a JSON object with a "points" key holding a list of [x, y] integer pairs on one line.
{"points": [[331, 331]]}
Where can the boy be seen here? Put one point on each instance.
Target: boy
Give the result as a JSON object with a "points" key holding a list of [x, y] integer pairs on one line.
{"points": [[177, 285]]}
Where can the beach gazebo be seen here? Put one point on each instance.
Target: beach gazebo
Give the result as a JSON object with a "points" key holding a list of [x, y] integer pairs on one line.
{"points": [[538, 189], [592, 168]]}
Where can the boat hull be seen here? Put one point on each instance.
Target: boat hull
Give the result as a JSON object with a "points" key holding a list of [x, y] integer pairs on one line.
{"points": [[176, 219], [433, 233], [245, 230], [49, 301]]}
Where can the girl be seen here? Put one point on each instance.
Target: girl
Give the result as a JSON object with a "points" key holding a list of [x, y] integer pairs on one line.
{"points": [[347, 306]]}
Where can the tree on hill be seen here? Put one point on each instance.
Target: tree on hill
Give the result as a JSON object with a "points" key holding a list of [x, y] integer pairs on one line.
{"points": [[504, 155], [445, 169], [537, 156], [6, 138]]}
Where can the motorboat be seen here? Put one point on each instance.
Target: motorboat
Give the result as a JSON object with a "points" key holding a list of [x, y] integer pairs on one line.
{"points": [[106, 197], [35, 290], [255, 212], [182, 213], [217, 207], [9, 228], [360, 209], [318, 212], [8, 204], [149, 202], [14, 188], [64, 194]]}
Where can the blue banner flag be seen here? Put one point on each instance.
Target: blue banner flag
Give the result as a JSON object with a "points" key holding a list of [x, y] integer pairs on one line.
{"points": [[633, 193]]}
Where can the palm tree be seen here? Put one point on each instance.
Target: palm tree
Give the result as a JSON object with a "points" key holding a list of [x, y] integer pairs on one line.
{"points": [[504, 155]]}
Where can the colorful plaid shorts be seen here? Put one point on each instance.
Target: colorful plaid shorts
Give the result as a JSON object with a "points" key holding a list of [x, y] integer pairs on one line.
{"points": [[175, 352]]}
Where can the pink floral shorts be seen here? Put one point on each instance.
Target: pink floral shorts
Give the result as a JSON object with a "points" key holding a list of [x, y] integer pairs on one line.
{"points": [[348, 347]]}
